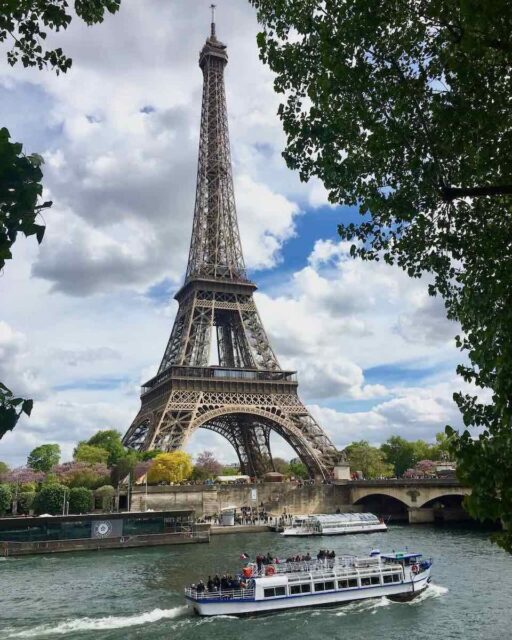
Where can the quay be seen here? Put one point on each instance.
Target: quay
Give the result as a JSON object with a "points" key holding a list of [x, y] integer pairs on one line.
{"points": [[415, 501]]}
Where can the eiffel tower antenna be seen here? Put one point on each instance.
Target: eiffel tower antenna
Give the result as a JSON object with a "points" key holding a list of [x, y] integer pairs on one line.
{"points": [[246, 396], [213, 7]]}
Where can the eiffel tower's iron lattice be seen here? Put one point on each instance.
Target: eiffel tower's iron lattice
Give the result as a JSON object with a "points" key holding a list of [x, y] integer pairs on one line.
{"points": [[248, 395]]}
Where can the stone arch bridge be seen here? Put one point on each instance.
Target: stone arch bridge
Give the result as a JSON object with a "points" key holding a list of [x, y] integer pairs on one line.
{"points": [[420, 500]]}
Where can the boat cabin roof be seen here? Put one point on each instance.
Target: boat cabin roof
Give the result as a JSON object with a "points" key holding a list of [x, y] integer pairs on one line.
{"points": [[342, 518], [400, 555]]}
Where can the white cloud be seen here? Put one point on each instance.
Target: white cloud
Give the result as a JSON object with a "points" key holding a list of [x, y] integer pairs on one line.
{"points": [[266, 221], [16, 366], [414, 413]]}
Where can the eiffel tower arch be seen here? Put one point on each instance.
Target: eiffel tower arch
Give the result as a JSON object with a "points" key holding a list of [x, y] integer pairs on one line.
{"points": [[247, 396]]}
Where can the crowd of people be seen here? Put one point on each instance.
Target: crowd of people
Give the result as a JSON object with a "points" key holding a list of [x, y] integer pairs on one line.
{"points": [[245, 515], [219, 584], [228, 583]]}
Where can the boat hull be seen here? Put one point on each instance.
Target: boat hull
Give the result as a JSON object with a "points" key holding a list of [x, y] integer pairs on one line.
{"points": [[403, 591], [341, 532]]}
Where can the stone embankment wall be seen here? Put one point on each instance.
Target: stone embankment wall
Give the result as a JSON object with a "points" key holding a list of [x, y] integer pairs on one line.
{"points": [[276, 497]]}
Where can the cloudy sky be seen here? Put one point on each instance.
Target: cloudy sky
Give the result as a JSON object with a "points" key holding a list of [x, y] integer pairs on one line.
{"points": [[85, 317]]}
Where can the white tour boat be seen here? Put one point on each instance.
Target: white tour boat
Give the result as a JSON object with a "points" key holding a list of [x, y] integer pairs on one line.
{"points": [[313, 583], [335, 524]]}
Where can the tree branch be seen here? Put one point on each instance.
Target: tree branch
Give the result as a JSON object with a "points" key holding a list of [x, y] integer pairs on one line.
{"points": [[452, 193]]}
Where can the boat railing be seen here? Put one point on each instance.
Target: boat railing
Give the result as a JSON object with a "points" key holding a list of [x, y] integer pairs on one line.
{"points": [[312, 565], [227, 594]]}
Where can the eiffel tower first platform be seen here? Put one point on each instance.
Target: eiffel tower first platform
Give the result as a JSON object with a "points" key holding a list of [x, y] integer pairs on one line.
{"points": [[248, 395]]}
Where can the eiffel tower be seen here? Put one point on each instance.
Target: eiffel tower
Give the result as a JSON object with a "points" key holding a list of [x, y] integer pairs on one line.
{"points": [[247, 396]]}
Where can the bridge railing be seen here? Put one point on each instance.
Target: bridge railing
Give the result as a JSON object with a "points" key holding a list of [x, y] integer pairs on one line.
{"points": [[406, 482]]}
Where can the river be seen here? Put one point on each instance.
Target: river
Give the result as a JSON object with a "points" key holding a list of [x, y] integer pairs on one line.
{"points": [[137, 593]]}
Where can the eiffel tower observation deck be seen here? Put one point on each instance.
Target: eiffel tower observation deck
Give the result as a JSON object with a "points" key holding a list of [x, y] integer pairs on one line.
{"points": [[247, 396]]}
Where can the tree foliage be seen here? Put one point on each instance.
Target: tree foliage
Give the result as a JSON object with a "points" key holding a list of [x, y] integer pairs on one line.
{"points": [[25, 501], [4, 468], [81, 474], [84, 452], [11, 408], [50, 499], [107, 494], [207, 466], [44, 457], [5, 498], [230, 471], [370, 461], [403, 108], [298, 469], [280, 465], [405, 454], [110, 440], [80, 500], [124, 466], [172, 467], [148, 455], [26, 24], [20, 191]]}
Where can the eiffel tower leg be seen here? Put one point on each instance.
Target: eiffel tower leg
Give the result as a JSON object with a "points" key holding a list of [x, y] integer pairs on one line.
{"points": [[248, 439], [139, 431]]}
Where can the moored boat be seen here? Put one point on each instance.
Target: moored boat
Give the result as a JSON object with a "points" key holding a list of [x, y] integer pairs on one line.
{"points": [[335, 524], [327, 582]]}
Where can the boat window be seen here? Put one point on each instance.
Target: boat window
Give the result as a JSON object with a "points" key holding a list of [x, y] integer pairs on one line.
{"points": [[272, 592], [329, 585], [365, 582], [397, 577], [375, 580], [300, 588], [319, 586], [342, 584], [387, 579]]}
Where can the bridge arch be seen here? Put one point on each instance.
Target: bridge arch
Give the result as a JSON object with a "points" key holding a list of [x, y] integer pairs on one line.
{"points": [[452, 499], [383, 504]]}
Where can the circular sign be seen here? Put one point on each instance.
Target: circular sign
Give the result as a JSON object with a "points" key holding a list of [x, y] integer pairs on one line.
{"points": [[103, 529]]}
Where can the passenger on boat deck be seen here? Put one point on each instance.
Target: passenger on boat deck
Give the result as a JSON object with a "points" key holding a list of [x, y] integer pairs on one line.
{"points": [[210, 585], [200, 588], [216, 581]]}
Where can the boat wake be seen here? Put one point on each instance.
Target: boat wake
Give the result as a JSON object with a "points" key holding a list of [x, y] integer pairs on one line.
{"points": [[364, 606], [98, 624], [432, 591]]}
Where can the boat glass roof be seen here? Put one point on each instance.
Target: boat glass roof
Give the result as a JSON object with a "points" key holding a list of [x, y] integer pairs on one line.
{"points": [[344, 518]]}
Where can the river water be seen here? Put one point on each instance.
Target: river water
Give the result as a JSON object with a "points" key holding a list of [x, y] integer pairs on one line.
{"points": [[137, 593]]}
